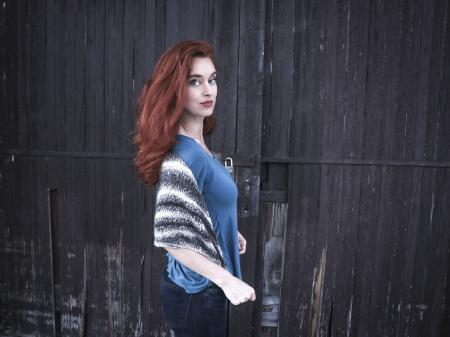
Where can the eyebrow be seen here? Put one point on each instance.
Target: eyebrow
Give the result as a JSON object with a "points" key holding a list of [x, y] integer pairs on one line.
{"points": [[197, 75]]}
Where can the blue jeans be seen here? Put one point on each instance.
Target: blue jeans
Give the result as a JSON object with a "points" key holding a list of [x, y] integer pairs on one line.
{"points": [[202, 314]]}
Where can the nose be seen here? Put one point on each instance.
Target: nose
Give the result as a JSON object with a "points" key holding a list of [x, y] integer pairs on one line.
{"points": [[207, 91]]}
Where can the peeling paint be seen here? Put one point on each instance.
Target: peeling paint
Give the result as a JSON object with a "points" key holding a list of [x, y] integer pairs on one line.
{"points": [[71, 302], [138, 328], [71, 321], [349, 317], [122, 205], [421, 308], [432, 209], [114, 291], [33, 317], [316, 295]]}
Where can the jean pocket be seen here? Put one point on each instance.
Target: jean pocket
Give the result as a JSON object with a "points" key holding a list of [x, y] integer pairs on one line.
{"points": [[175, 304]]}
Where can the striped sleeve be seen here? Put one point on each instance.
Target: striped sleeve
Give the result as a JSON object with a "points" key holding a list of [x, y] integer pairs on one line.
{"points": [[181, 218]]}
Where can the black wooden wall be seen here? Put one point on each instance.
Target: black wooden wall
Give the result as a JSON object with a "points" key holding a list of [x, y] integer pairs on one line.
{"points": [[336, 114], [356, 129]]}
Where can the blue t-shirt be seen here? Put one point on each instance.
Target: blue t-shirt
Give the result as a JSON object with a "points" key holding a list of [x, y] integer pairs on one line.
{"points": [[220, 194]]}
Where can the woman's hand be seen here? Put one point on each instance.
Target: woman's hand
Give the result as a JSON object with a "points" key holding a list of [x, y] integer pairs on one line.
{"points": [[234, 288], [237, 291], [242, 243]]}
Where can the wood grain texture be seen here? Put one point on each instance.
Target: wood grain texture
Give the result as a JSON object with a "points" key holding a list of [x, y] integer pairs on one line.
{"points": [[343, 108]]}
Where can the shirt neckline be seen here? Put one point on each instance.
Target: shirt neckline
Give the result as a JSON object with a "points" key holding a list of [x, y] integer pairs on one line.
{"points": [[201, 147]]}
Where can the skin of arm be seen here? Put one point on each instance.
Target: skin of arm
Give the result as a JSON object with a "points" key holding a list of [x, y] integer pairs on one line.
{"points": [[235, 289]]}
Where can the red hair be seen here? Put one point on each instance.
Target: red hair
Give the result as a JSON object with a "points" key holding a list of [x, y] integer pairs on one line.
{"points": [[161, 104]]}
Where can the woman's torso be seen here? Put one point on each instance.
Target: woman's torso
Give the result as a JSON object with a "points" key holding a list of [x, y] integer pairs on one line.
{"points": [[220, 194]]}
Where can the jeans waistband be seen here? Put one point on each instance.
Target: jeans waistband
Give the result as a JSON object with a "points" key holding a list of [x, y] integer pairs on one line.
{"points": [[166, 277]]}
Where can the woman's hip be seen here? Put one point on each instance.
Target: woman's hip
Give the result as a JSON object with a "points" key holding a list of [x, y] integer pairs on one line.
{"points": [[204, 313]]}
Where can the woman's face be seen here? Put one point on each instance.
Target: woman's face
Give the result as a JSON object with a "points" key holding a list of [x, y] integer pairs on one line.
{"points": [[201, 89]]}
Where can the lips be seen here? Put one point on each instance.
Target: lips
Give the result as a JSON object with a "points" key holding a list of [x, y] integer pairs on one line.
{"points": [[207, 104]]}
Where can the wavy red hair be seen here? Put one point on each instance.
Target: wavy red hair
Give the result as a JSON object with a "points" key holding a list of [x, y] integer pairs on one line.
{"points": [[161, 104]]}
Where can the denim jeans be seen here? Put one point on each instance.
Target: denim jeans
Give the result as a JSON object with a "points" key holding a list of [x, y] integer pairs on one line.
{"points": [[201, 314]]}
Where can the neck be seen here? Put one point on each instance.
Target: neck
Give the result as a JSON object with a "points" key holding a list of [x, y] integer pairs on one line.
{"points": [[194, 130]]}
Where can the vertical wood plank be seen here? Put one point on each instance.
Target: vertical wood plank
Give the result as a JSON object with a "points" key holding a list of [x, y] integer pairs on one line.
{"points": [[282, 75], [225, 40], [248, 141], [367, 246]]}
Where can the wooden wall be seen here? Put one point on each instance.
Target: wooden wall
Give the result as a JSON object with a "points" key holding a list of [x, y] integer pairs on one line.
{"points": [[356, 129], [336, 114]]}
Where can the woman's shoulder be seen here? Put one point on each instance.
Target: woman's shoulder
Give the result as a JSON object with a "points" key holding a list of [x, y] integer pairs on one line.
{"points": [[197, 162], [189, 159], [192, 155]]}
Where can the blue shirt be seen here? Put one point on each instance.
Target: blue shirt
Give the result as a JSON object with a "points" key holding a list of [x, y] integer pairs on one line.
{"points": [[220, 194]]}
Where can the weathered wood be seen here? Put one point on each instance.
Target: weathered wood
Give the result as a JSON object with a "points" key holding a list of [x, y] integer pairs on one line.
{"points": [[276, 123], [249, 90], [336, 115], [364, 91]]}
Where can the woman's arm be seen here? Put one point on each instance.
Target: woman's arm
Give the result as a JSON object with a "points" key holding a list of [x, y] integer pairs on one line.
{"points": [[235, 289]]}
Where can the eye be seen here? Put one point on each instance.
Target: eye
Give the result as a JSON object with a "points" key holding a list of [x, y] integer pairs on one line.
{"points": [[193, 82], [213, 80]]}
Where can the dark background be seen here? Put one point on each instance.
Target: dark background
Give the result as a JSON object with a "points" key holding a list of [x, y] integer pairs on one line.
{"points": [[335, 113]]}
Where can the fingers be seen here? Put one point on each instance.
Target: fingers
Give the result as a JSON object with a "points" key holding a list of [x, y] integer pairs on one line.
{"points": [[249, 296], [242, 246], [236, 302], [237, 291]]}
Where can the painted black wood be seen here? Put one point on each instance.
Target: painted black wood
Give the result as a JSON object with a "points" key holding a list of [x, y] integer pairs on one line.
{"points": [[250, 79], [368, 113], [337, 116]]}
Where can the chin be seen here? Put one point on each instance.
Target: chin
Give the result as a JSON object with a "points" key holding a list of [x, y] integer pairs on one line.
{"points": [[206, 113], [197, 114]]}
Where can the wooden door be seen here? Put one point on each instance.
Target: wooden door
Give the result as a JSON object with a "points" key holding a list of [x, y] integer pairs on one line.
{"points": [[336, 116]]}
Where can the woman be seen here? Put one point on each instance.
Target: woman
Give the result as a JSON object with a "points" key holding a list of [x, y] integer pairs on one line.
{"points": [[195, 214]]}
